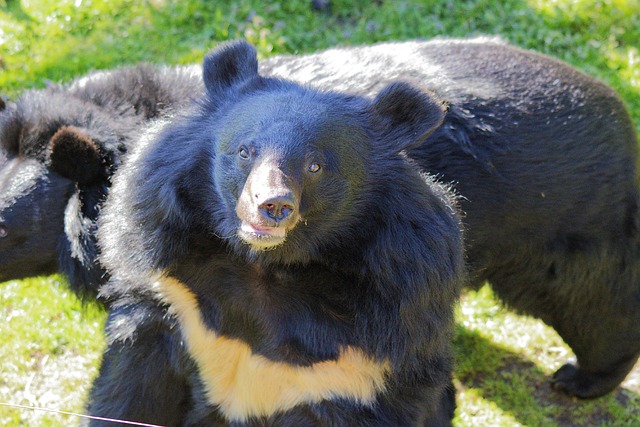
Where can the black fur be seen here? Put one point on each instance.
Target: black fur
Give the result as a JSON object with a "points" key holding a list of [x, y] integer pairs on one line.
{"points": [[372, 257], [75, 136]]}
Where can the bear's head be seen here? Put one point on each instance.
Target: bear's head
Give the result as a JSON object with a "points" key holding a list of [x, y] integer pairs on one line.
{"points": [[58, 156], [32, 204], [294, 167], [279, 171]]}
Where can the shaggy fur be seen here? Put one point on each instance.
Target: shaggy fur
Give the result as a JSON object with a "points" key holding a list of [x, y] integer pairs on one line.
{"points": [[60, 147], [281, 260]]}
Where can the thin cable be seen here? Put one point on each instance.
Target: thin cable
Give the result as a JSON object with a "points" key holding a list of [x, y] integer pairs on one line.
{"points": [[113, 420]]}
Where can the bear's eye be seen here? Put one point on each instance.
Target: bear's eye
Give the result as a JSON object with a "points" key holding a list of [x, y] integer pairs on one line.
{"points": [[3, 232], [244, 152], [314, 168]]}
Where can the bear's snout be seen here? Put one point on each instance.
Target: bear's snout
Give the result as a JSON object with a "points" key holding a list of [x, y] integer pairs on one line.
{"points": [[268, 207], [278, 208]]}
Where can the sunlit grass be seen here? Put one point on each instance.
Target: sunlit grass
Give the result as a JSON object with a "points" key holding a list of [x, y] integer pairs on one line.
{"points": [[49, 350], [504, 363]]}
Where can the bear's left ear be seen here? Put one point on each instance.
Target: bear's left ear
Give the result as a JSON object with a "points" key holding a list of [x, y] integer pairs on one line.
{"points": [[228, 65], [75, 155], [408, 116]]}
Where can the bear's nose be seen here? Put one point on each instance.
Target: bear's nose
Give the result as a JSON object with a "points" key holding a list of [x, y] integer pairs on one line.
{"points": [[277, 208]]}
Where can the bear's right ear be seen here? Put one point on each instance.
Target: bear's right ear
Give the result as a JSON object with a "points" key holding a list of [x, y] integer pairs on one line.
{"points": [[228, 65], [75, 155], [406, 116]]}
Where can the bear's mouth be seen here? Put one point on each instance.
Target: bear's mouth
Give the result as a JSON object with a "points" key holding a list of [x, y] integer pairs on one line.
{"points": [[260, 236]]}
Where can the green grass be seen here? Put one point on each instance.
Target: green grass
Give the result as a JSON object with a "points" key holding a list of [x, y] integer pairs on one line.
{"points": [[50, 350], [51, 345], [56, 40], [504, 362]]}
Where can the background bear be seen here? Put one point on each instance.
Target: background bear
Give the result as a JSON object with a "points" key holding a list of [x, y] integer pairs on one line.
{"points": [[59, 147], [544, 158], [276, 260]]}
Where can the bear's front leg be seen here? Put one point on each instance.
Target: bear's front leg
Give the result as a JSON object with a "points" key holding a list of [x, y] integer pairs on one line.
{"points": [[140, 378]]}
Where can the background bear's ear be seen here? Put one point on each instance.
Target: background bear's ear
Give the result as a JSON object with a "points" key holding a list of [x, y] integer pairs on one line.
{"points": [[3, 105], [408, 115], [228, 65], [75, 155]]}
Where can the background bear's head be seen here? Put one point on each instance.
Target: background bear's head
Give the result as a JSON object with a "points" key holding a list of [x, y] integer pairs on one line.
{"points": [[56, 169], [28, 242], [59, 147]]}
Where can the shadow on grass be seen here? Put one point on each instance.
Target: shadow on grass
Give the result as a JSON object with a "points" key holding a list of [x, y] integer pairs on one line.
{"points": [[522, 389]]}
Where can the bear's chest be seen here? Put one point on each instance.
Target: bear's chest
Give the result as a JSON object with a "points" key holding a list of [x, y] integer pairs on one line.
{"points": [[266, 341], [297, 315]]}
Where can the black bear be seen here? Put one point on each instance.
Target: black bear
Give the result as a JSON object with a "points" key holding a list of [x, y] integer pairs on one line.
{"points": [[544, 158], [277, 260], [60, 146]]}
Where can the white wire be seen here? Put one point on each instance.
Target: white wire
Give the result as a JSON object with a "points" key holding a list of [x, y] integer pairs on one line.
{"points": [[35, 408]]}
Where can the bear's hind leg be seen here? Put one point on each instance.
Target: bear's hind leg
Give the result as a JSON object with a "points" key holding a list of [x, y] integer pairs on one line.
{"points": [[591, 298], [599, 318], [578, 382]]}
